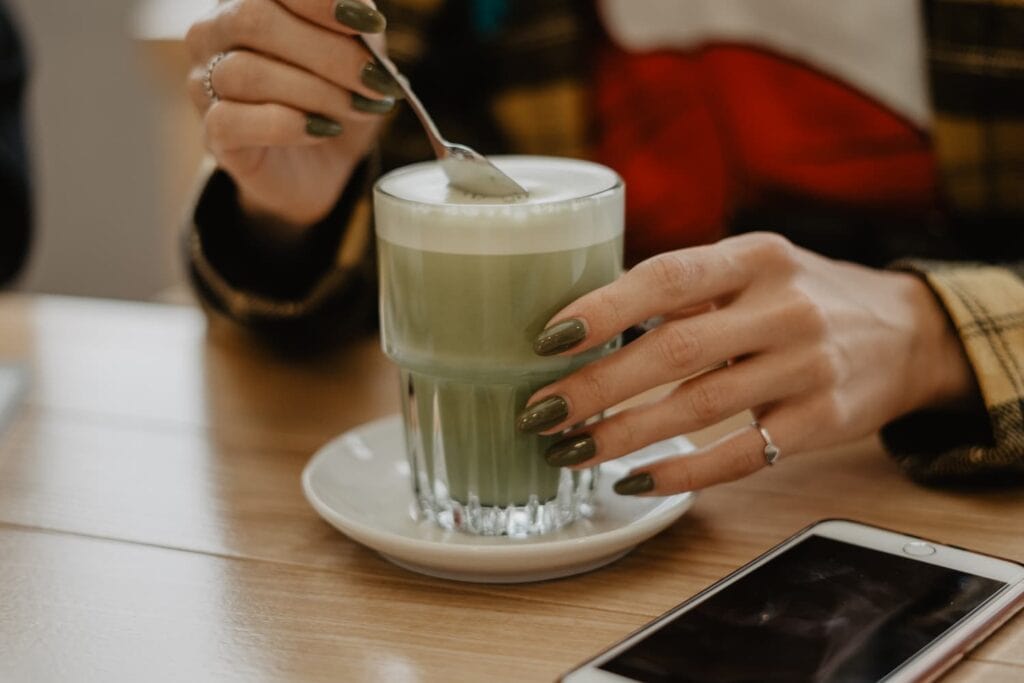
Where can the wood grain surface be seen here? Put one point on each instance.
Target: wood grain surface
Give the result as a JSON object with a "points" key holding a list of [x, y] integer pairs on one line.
{"points": [[152, 525]]}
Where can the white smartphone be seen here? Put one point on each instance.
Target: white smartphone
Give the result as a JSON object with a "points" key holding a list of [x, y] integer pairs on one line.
{"points": [[839, 601]]}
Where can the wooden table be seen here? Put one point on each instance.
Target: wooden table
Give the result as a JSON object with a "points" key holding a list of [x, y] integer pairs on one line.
{"points": [[152, 525]]}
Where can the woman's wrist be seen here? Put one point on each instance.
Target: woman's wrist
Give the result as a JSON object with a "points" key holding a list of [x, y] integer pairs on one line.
{"points": [[939, 368], [285, 220]]}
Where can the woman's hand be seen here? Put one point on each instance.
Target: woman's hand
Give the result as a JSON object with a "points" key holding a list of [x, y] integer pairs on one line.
{"points": [[298, 99], [821, 351]]}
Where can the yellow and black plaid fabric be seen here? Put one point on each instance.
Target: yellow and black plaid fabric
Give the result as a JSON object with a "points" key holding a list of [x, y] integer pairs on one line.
{"points": [[524, 89], [984, 441], [976, 59]]}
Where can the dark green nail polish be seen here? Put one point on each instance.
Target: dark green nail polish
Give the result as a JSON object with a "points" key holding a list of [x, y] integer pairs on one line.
{"points": [[375, 76], [560, 337], [322, 127], [543, 415], [571, 451], [359, 17], [634, 484], [372, 106]]}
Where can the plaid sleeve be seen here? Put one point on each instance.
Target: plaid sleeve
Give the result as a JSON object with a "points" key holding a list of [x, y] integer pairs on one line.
{"points": [[976, 68], [295, 295], [983, 441]]}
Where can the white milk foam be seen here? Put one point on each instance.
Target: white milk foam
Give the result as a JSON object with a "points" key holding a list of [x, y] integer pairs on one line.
{"points": [[571, 204]]}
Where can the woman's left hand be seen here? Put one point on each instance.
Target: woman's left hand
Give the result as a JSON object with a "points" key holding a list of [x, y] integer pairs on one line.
{"points": [[820, 351]]}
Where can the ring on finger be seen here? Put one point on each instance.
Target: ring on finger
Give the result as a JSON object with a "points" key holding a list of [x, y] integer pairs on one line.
{"points": [[208, 77], [771, 451]]}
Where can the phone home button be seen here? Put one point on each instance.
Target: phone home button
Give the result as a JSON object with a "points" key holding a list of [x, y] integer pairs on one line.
{"points": [[919, 549]]}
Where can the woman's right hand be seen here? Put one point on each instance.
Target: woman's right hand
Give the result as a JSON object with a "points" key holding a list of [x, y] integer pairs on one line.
{"points": [[299, 100]]}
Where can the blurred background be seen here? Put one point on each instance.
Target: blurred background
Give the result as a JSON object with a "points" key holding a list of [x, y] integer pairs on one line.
{"points": [[115, 144]]}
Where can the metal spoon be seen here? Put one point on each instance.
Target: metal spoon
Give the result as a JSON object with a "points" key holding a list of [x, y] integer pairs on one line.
{"points": [[466, 169]]}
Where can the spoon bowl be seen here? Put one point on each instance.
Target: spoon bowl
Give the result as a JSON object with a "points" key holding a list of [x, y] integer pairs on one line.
{"points": [[467, 169]]}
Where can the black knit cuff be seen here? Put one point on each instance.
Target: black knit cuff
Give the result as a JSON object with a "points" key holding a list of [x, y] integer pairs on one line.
{"points": [[257, 261]]}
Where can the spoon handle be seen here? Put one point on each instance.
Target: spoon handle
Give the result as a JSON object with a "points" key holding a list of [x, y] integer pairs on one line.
{"points": [[438, 143]]}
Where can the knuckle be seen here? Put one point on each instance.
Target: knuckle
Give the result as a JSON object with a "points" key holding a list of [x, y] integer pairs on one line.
{"points": [[622, 435], [217, 126], [679, 346], [195, 39], [770, 248], [215, 122], [825, 367], [807, 314], [674, 273], [771, 244], [705, 403]]}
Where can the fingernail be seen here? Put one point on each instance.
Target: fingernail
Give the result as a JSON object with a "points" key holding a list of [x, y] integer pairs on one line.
{"points": [[359, 17], [560, 337], [634, 484], [571, 451], [375, 76], [322, 127], [543, 415], [372, 106]]}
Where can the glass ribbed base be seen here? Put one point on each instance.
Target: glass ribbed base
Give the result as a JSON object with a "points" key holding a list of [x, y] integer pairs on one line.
{"points": [[473, 471], [532, 518]]}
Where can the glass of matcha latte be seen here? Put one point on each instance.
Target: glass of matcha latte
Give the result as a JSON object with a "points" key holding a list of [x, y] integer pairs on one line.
{"points": [[467, 283]]}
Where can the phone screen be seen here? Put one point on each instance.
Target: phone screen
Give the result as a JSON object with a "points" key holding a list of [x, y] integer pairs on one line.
{"points": [[823, 610]]}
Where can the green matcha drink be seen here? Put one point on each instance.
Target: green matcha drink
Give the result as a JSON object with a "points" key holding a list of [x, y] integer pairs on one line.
{"points": [[467, 283]]}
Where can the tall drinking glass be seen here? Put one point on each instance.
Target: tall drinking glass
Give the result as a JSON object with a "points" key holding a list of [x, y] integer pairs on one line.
{"points": [[467, 283]]}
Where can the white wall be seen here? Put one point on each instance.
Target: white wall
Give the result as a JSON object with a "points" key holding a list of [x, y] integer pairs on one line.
{"points": [[94, 141]]}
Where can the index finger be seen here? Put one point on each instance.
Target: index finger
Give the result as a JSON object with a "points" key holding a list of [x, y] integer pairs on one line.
{"points": [[660, 285], [344, 16]]}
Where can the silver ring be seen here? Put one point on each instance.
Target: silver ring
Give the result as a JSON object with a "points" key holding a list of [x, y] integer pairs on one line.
{"points": [[771, 451], [208, 77]]}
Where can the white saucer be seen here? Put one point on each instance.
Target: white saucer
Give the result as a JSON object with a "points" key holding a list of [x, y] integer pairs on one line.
{"points": [[359, 482]]}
